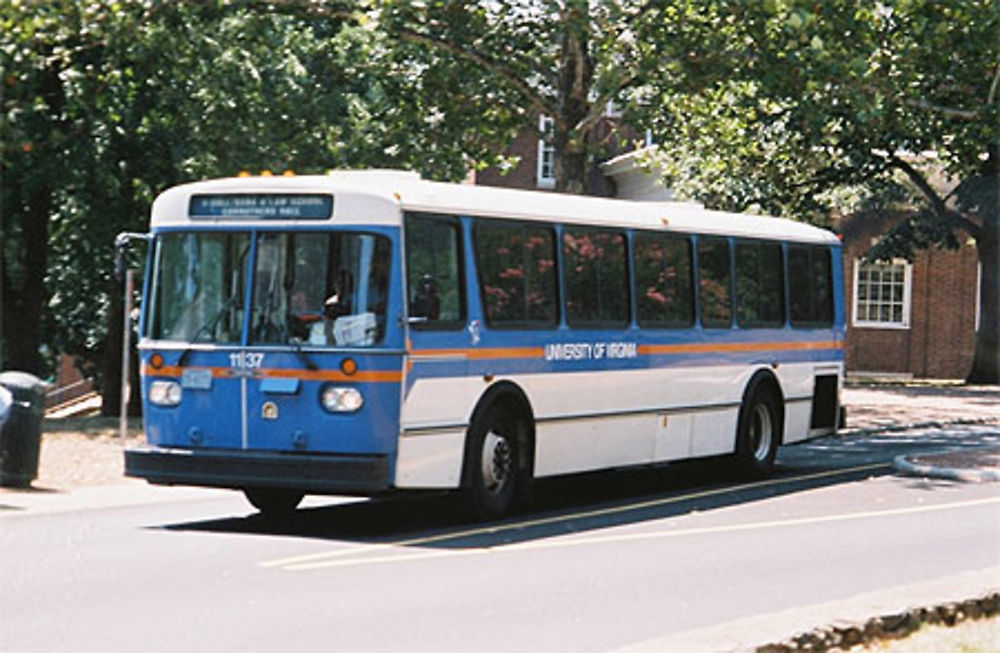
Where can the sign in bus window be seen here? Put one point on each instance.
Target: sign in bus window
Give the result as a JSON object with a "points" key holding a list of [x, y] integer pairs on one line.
{"points": [[714, 285], [760, 293], [517, 274], [664, 287], [262, 206], [434, 272]]}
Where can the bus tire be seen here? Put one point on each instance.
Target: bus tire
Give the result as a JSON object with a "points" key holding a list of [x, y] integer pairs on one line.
{"points": [[492, 476], [758, 430], [274, 502]]}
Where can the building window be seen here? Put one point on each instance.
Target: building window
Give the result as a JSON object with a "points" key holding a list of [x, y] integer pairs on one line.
{"points": [[882, 294], [546, 175], [979, 289]]}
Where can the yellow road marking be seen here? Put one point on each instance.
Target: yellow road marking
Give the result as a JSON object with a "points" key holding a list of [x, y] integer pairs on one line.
{"points": [[546, 521], [631, 537]]}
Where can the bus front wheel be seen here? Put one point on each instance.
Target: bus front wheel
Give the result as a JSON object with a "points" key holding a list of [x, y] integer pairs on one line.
{"points": [[492, 475], [273, 502], [758, 432]]}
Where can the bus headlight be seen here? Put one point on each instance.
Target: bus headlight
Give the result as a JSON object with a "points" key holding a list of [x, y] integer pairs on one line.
{"points": [[165, 393], [338, 399]]}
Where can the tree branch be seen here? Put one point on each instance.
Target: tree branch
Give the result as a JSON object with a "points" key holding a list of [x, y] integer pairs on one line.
{"points": [[300, 8], [537, 102], [993, 87], [964, 114], [318, 9], [597, 107], [954, 218]]}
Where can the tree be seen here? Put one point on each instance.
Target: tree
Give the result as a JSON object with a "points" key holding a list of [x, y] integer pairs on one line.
{"points": [[831, 106], [515, 59], [107, 103]]}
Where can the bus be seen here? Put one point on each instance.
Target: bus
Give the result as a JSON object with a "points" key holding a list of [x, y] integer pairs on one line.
{"points": [[369, 332]]}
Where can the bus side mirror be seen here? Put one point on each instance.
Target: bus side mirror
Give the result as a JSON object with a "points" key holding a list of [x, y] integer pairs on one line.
{"points": [[122, 242]]}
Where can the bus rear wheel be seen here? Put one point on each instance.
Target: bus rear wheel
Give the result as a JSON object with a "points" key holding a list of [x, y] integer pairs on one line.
{"points": [[758, 432], [492, 475], [274, 502]]}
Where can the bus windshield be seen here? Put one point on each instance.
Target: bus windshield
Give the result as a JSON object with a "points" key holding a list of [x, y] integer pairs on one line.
{"points": [[199, 284], [323, 289]]}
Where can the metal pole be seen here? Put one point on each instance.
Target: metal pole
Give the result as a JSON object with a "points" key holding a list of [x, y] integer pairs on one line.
{"points": [[126, 347]]}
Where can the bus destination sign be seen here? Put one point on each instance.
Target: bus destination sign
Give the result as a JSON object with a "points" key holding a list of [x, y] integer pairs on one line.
{"points": [[262, 206]]}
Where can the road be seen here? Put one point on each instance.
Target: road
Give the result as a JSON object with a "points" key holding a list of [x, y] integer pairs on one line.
{"points": [[630, 561]]}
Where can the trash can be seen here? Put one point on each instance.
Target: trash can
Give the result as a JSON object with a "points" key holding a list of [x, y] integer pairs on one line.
{"points": [[21, 434]]}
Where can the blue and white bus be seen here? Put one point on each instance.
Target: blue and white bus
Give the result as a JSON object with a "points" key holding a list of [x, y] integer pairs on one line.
{"points": [[367, 332]]}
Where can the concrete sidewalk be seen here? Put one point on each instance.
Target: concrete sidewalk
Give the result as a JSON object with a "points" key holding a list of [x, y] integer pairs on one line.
{"points": [[896, 408]]}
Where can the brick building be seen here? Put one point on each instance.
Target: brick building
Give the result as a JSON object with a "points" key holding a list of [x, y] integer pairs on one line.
{"points": [[914, 319], [904, 319]]}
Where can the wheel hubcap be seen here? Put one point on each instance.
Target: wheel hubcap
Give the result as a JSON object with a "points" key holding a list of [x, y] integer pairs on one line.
{"points": [[761, 432], [497, 462]]}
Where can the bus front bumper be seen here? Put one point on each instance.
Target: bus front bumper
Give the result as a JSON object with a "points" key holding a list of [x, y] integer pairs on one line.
{"points": [[313, 473]]}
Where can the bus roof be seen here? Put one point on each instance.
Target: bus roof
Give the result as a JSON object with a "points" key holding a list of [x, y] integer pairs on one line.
{"points": [[379, 197]]}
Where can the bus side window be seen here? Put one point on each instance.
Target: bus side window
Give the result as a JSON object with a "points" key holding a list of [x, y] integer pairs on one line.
{"points": [[517, 274], [714, 283], [760, 287], [664, 285], [595, 273], [810, 286], [434, 272]]}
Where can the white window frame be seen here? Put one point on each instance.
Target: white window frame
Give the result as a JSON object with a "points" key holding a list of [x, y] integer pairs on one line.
{"points": [[856, 320], [545, 175], [979, 289]]}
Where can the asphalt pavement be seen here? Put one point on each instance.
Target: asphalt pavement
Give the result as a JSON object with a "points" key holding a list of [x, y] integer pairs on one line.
{"points": [[845, 538]]}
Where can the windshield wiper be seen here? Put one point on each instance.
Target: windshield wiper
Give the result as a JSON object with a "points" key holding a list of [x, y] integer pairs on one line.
{"points": [[302, 355], [207, 327]]}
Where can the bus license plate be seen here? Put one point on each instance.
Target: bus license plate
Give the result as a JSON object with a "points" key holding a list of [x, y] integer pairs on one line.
{"points": [[196, 379]]}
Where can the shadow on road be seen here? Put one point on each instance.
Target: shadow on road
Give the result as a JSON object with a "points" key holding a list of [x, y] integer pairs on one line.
{"points": [[590, 502], [566, 505]]}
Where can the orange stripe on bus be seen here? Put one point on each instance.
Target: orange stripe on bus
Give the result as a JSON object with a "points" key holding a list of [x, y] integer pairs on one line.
{"points": [[513, 352], [731, 347], [696, 348], [370, 376], [436, 353], [480, 354]]}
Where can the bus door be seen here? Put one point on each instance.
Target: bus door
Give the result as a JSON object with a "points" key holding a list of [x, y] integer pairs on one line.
{"points": [[439, 332], [323, 361]]}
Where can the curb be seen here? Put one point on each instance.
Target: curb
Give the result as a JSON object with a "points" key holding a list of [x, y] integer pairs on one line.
{"points": [[903, 465], [932, 424], [888, 627], [127, 493]]}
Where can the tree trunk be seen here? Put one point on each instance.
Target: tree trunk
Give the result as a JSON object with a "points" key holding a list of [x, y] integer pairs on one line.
{"points": [[23, 304], [111, 378], [986, 362], [111, 383], [32, 202], [570, 167], [575, 83]]}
